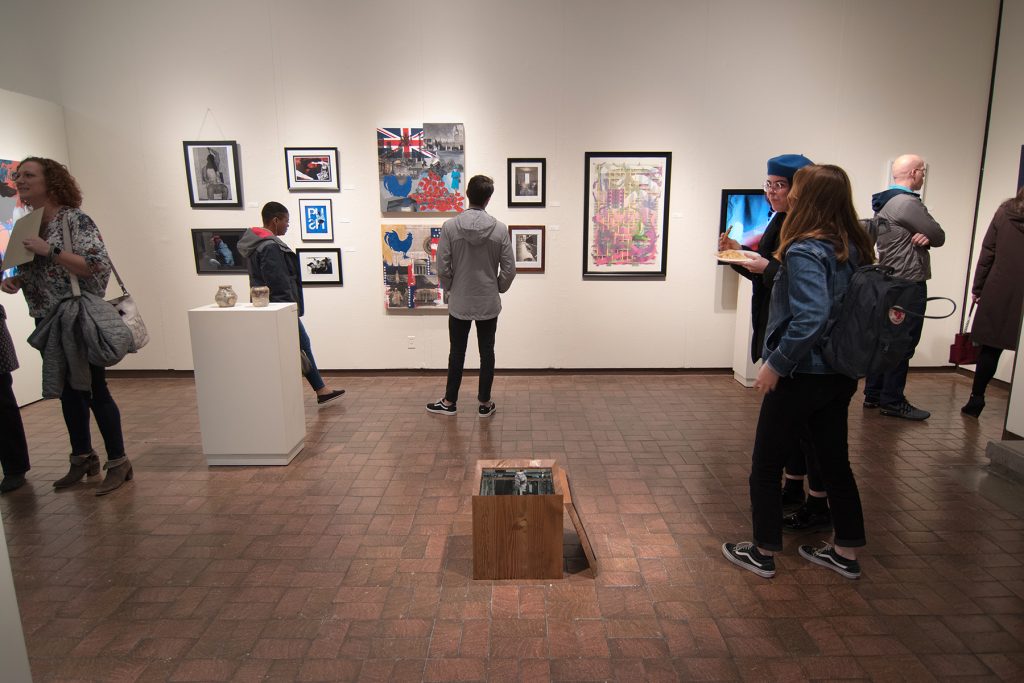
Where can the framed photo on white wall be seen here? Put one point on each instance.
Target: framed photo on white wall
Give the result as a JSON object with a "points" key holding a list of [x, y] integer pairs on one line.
{"points": [[311, 168], [320, 267], [528, 246], [317, 220], [527, 182], [212, 171]]}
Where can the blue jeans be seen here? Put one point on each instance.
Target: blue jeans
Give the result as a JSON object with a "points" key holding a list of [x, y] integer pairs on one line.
{"points": [[458, 336], [313, 376], [887, 388]]}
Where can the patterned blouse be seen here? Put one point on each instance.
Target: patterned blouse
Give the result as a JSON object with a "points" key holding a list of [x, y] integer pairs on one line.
{"points": [[46, 283]]}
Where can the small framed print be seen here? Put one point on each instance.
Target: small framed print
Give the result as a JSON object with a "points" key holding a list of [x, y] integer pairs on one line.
{"points": [[212, 172], [216, 251], [311, 168], [527, 182], [317, 220], [320, 267], [528, 246]]}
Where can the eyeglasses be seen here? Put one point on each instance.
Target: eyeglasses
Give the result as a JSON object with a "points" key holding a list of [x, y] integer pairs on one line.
{"points": [[778, 185]]}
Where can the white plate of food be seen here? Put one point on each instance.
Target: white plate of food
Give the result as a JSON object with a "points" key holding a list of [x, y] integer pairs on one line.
{"points": [[737, 256]]}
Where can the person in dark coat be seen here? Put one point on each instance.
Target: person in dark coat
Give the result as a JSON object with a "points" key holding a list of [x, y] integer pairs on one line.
{"points": [[813, 512], [13, 446], [273, 264], [998, 290]]}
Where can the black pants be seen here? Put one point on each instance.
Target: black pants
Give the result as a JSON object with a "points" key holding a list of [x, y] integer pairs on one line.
{"points": [[820, 402], [985, 370], [76, 406], [801, 461], [13, 446], [458, 337]]}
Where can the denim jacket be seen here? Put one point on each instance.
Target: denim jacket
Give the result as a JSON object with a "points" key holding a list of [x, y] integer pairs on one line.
{"points": [[806, 289]]}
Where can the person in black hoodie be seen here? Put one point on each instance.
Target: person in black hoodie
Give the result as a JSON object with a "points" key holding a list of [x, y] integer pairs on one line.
{"points": [[273, 264]]}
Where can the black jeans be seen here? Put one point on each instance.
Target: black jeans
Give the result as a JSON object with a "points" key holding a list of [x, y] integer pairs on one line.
{"points": [[801, 461], [820, 402], [13, 446], [76, 406], [888, 387], [458, 337]]}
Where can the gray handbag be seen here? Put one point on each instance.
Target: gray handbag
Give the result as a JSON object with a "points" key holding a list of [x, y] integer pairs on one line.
{"points": [[124, 305]]}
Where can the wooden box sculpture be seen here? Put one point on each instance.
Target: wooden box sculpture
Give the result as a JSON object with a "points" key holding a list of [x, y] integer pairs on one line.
{"points": [[517, 520]]}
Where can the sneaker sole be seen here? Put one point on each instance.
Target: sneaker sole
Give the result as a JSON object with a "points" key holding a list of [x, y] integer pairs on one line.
{"points": [[490, 414], [828, 565], [329, 401], [448, 413], [763, 573], [892, 413]]}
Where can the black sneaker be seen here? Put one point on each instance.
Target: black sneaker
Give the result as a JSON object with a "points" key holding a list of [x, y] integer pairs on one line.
{"points": [[746, 555], [870, 402], [440, 408], [488, 409], [806, 519], [905, 410], [327, 398], [827, 556], [792, 498]]}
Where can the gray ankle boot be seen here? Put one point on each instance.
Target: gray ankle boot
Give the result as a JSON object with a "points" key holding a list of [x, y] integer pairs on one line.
{"points": [[81, 465], [118, 472]]}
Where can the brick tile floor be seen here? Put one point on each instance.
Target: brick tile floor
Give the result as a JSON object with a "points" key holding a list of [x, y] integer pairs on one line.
{"points": [[354, 563]]}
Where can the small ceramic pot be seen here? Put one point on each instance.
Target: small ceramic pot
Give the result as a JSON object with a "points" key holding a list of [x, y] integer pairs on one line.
{"points": [[260, 296], [225, 296]]}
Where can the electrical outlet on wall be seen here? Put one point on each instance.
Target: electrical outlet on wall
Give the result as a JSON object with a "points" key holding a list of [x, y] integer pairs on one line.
{"points": [[412, 342]]}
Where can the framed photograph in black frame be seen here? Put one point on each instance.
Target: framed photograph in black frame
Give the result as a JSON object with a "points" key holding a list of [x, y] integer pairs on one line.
{"points": [[216, 251], [320, 267], [312, 168], [527, 182], [211, 167], [625, 214], [528, 247], [317, 220]]}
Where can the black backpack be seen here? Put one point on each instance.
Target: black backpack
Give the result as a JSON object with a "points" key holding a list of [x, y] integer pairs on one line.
{"points": [[868, 333]]}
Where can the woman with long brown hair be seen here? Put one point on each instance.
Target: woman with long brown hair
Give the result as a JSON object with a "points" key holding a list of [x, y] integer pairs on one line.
{"points": [[821, 245], [48, 185]]}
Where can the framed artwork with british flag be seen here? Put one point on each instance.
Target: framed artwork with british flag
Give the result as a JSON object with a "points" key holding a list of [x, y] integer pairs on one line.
{"points": [[422, 170], [625, 214], [312, 168]]}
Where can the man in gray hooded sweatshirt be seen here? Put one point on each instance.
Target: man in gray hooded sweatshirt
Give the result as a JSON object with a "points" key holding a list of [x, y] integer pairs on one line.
{"points": [[475, 264]]}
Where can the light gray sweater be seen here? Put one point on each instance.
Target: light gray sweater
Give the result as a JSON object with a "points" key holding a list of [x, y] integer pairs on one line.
{"points": [[475, 264]]}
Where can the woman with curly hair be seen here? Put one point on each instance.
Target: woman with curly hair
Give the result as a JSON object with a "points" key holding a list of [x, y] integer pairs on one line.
{"points": [[48, 185]]}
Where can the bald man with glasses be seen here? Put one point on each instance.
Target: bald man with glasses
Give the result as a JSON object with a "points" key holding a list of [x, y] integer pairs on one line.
{"points": [[904, 237]]}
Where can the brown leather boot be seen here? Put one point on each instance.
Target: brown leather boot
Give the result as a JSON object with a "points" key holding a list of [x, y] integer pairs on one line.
{"points": [[118, 472], [81, 465]]}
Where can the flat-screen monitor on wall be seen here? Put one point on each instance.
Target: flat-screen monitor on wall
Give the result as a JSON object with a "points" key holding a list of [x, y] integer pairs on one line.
{"points": [[745, 215]]}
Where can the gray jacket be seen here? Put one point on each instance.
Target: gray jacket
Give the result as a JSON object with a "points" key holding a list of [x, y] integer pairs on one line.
{"points": [[79, 331], [904, 215], [475, 264]]}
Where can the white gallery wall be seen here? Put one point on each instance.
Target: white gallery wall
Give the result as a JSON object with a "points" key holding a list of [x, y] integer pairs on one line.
{"points": [[721, 84]]}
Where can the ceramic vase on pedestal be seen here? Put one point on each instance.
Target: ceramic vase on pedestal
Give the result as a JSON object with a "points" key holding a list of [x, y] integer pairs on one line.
{"points": [[225, 296], [260, 296]]}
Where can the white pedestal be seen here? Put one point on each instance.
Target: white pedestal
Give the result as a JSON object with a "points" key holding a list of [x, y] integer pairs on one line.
{"points": [[743, 371], [249, 383], [12, 638]]}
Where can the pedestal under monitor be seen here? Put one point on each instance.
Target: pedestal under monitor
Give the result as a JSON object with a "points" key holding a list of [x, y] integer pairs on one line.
{"points": [[248, 383]]}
